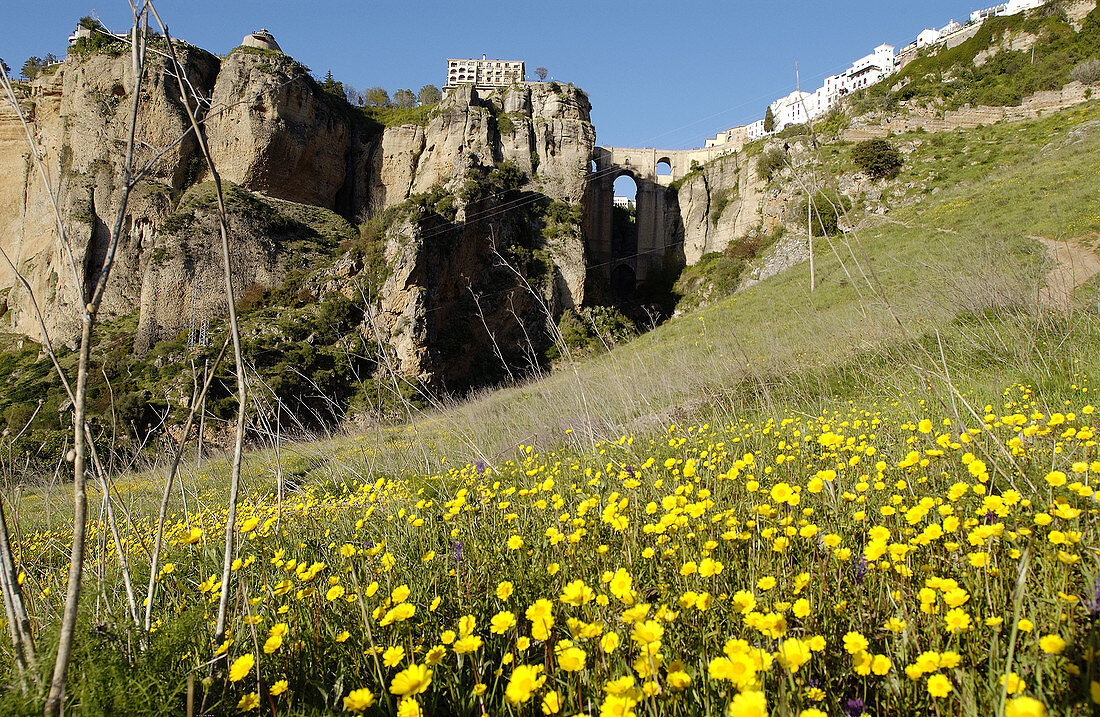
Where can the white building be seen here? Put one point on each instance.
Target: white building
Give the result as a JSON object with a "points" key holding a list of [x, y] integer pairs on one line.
{"points": [[484, 72], [869, 69], [791, 109], [802, 107], [1012, 7], [624, 202], [80, 33], [928, 37], [950, 28]]}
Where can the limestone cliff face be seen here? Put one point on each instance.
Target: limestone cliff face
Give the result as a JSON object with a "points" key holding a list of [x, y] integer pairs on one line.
{"points": [[429, 301], [720, 204], [273, 132], [279, 141], [473, 299], [543, 128], [79, 120]]}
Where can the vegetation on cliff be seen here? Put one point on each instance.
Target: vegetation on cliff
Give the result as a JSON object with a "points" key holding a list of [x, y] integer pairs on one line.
{"points": [[1003, 76]]}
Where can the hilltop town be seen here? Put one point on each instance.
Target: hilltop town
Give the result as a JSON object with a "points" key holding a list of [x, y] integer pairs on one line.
{"points": [[802, 106]]}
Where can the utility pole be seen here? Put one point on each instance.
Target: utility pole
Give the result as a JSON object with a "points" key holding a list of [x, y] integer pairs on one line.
{"points": [[809, 188]]}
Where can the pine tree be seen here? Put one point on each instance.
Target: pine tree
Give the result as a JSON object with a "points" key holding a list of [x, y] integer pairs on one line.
{"points": [[769, 120]]}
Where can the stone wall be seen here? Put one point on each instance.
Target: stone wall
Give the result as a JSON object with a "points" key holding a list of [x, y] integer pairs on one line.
{"points": [[970, 117]]}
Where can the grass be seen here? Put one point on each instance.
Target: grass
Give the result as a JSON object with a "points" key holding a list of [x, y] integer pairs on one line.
{"points": [[832, 493]]}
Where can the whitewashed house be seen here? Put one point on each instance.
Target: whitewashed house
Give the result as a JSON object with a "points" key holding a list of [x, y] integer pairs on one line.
{"points": [[928, 37], [1013, 7]]}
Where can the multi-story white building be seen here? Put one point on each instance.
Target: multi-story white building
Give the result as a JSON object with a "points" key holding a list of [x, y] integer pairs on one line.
{"points": [[484, 72], [869, 69], [801, 107], [791, 109], [755, 130], [797, 108]]}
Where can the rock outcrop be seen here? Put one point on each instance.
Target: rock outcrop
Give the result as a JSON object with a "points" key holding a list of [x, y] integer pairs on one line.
{"points": [[720, 203], [272, 130], [79, 118], [544, 129], [280, 140]]}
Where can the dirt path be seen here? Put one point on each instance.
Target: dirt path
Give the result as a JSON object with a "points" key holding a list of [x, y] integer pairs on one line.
{"points": [[1074, 264]]}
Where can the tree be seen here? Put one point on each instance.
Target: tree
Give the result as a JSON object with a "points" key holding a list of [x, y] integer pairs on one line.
{"points": [[877, 158], [4, 68], [404, 99], [769, 120], [828, 207], [332, 85], [376, 97], [428, 95], [354, 96], [541, 73], [32, 67], [771, 161]]}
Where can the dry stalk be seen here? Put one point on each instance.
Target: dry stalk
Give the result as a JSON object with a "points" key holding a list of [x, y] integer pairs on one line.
{"points": [[166, 494], [139, 33], [234, 327]]}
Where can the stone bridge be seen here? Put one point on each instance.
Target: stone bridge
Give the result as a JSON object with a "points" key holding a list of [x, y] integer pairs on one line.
{"points": [[627, 259]]}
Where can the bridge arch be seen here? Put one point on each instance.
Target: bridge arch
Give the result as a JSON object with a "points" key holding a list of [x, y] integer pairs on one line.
{"points": [[623, 281]]}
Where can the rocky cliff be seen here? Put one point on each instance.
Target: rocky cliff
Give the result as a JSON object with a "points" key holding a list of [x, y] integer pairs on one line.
{"points": [[721, 202], [293, 157]]}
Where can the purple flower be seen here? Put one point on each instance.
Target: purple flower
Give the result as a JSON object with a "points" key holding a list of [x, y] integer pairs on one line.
{"points": [[630, 469], [861, 569], [456, 550], [1093, 604], [480, 465], [853, 707]]}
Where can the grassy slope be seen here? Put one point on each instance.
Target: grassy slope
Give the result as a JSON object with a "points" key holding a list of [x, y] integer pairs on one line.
{"points": [[958, 262]]}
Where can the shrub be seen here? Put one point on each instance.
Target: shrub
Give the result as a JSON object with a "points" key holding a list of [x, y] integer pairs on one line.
{"points": [[1087, 72], [827, 208], [719, 201], [593, 328], [771, 161], [877, 158], [794, 130]]}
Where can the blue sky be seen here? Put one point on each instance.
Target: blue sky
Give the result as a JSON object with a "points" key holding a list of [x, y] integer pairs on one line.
{"points": [[665, 74]]}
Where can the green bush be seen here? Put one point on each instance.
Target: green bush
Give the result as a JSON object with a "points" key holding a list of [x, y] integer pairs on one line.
{"points": [[827, 209], [719, 201], [771, 161], [593, 328], [877, 158]]}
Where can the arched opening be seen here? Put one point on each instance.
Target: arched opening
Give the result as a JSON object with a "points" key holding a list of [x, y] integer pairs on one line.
{"points": [[624, 225], [664, 167], [623, 281], [592, 166]]}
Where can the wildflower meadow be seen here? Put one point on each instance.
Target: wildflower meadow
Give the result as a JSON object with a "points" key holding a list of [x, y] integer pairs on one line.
{"points": [[849, 563]]}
